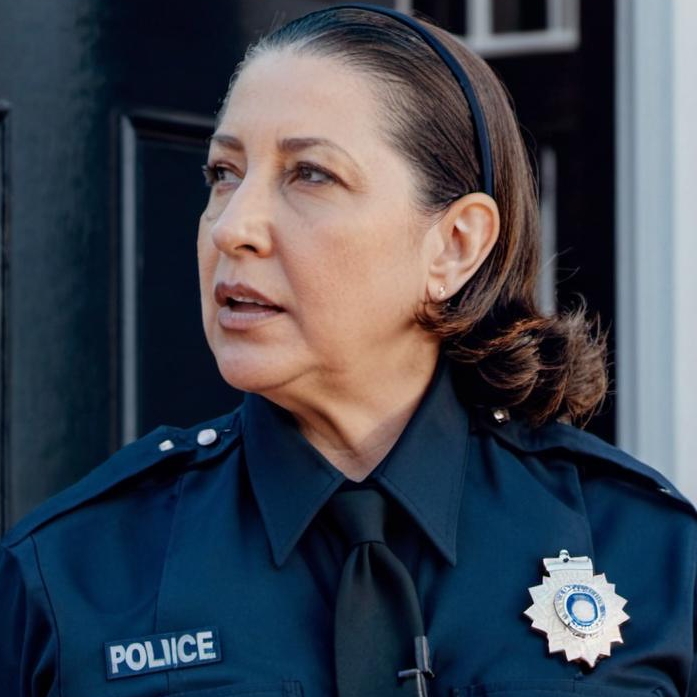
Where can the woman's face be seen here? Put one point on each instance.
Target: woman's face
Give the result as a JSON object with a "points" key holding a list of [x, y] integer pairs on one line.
{"points": [[312, 258]]}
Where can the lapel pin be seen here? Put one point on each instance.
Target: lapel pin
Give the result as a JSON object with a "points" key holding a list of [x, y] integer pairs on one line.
{"points": [[580, 613]]}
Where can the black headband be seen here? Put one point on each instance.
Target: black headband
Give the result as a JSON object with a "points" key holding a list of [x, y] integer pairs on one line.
{"points": [[483, 144]]}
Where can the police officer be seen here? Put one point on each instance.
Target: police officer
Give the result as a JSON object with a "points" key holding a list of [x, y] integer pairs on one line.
{"points": [[400, 506]]}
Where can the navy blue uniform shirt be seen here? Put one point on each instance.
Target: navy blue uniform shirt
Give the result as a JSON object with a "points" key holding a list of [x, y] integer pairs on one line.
{"points": [[200, 563]]}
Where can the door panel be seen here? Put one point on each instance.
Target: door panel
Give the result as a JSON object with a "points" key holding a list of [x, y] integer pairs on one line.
{"points": [[167, 372]]}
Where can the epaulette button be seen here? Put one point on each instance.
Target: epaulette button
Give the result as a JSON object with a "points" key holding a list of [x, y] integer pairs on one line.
{"points": [[166, 445], [207, 436], [501, 416]]}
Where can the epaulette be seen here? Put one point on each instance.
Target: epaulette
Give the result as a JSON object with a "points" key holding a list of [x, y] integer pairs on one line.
{"points": [[190, 446], [556, 435]]}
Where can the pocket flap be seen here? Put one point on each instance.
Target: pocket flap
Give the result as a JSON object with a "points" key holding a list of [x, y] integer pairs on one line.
{"points": [[546, 688], [285, 688]]}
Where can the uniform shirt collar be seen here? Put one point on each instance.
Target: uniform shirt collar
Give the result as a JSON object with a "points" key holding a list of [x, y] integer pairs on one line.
{"points": [[424, 471]]}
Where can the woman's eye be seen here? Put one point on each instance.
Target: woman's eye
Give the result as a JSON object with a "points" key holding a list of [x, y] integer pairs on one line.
{"points": [[217, 174], [313, 174]]}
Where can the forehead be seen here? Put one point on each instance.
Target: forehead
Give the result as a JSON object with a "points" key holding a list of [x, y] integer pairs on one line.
{"points": [[291, 93]]}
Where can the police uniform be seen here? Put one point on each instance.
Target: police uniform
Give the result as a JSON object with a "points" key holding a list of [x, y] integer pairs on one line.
{"points": [[200, 562]]}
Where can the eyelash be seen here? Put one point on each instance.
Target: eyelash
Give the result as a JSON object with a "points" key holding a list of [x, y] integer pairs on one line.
{"points": [[312, 168], [214, 173]]}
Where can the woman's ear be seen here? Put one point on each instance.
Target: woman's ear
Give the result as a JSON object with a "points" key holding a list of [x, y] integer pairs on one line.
{"points": [[466, 235]]}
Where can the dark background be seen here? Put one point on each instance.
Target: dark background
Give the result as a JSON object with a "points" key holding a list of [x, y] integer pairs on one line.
{"points": [[104, 112]]}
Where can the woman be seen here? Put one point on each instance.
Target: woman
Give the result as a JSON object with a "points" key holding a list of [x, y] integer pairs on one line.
{"points": [[397, 505]]}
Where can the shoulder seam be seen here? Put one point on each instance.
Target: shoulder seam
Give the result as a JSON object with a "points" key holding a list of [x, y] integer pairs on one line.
{"points": [[180, 485], [49, 602]]}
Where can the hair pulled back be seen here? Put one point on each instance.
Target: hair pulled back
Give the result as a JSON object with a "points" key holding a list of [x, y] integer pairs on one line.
{"points": [[509, 354]]}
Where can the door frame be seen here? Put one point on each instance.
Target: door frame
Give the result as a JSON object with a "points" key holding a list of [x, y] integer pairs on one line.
{"points": [[656, 241]]}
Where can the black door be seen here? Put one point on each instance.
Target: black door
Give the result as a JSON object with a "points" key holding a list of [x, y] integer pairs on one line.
{"points": [[104, 112]]}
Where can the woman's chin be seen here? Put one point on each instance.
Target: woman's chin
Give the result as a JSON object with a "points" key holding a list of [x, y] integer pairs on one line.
{"points": [[254, 373]]}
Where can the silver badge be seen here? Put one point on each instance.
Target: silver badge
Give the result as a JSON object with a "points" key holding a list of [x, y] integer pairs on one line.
{"points": [[580, 613]]}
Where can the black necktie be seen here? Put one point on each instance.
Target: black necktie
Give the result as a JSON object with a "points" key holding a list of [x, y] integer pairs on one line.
{"points": [[379, 641]]}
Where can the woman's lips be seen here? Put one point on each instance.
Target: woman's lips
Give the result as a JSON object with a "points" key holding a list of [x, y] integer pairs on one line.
{"points": [[243, 307]]}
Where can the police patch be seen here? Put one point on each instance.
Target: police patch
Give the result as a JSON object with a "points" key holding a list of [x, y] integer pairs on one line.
{"points": [[149, 654]]}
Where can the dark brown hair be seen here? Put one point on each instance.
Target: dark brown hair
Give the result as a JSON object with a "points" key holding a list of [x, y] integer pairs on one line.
{"points": [[508, 353]]}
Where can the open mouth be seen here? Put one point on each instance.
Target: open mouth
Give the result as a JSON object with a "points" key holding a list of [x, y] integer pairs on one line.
{"points": [[249, 305], [242, 307]]}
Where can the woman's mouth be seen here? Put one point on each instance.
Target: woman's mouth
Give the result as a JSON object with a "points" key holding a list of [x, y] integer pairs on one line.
{"points": [[242, 307]]}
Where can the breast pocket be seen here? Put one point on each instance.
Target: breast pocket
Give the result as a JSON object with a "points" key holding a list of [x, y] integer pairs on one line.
{"points": [[548, 688], [285, 688]]}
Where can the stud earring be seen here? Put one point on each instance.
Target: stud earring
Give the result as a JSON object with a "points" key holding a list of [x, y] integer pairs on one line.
{"points": [[441, 292]]}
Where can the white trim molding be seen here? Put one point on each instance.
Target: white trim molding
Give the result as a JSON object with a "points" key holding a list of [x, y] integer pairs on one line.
{"points": [[685, 241], [562, 32], [657, 235]]}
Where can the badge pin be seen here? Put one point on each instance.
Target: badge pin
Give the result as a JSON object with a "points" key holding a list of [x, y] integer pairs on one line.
{"points": [[580, 613]]}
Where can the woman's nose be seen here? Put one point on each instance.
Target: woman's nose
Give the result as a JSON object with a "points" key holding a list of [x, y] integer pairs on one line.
{"points": [[244, 224]]}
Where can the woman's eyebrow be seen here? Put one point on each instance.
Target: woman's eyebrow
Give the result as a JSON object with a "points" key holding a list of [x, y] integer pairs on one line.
{"points": [[227, 141], [287, 145], [298, 144]]}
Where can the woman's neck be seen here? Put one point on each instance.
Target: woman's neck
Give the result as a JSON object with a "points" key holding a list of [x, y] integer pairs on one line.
{"points": [[355, 421]]}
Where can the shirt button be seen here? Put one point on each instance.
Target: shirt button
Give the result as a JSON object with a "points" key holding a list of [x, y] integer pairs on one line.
{"points": [[207, 436], [166, 445]]}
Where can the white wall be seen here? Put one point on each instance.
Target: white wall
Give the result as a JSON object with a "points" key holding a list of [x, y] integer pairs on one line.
{"points": [[657, 235]]}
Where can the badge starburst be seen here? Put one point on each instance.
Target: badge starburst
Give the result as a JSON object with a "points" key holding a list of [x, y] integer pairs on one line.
{"points": [[577, 648]]}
